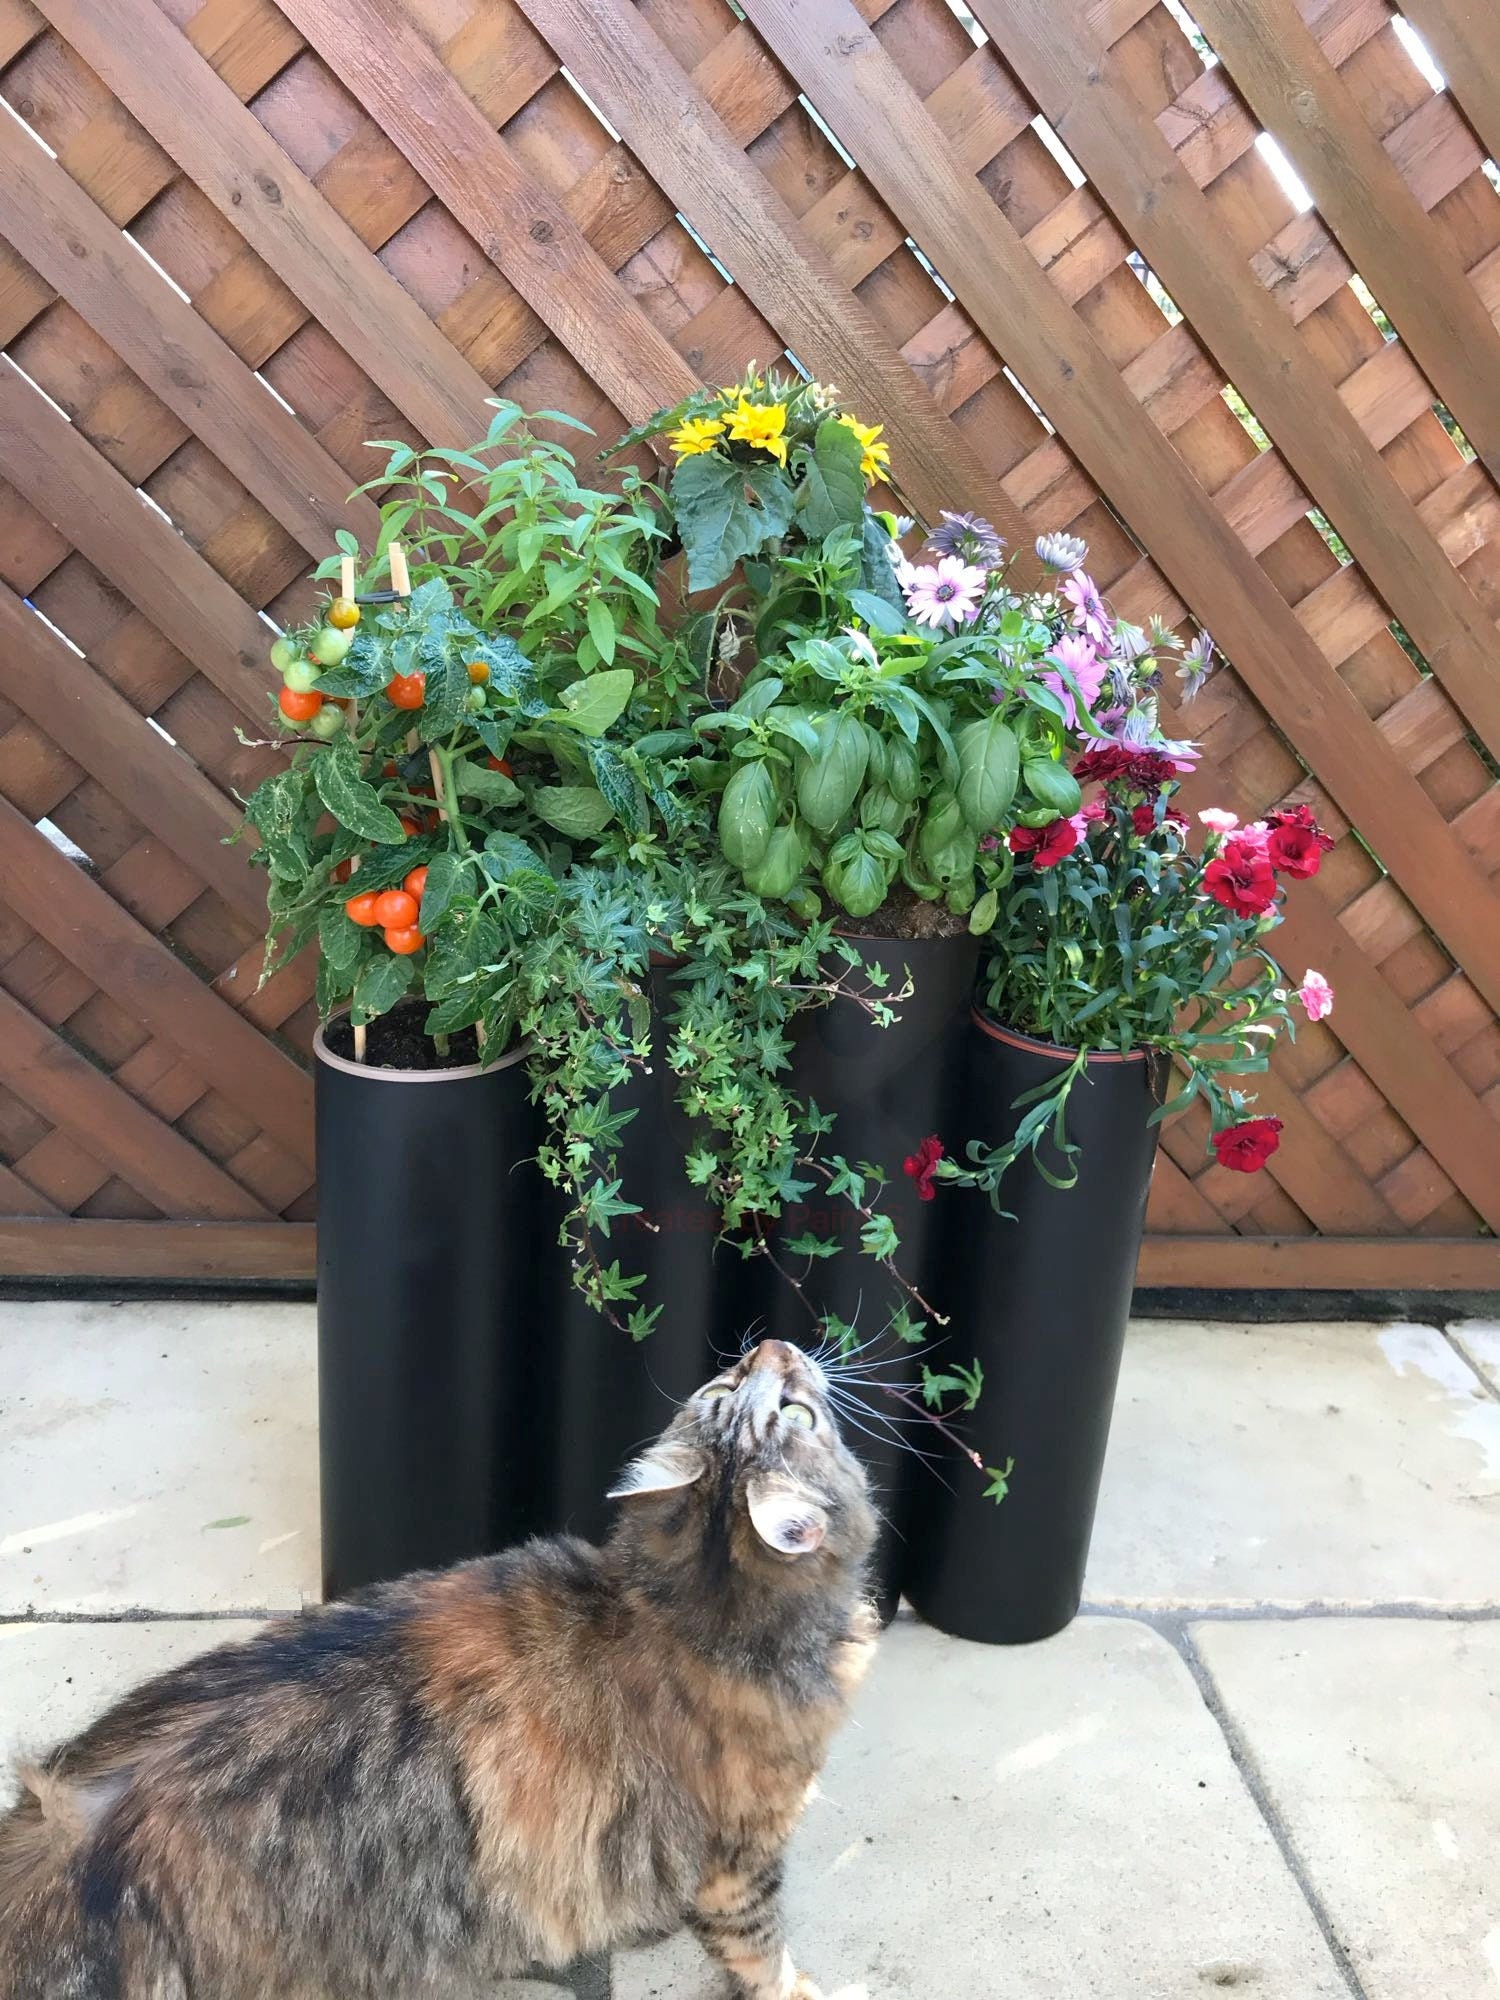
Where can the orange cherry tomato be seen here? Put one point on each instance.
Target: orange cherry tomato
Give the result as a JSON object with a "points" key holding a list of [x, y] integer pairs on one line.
{"points": [[478, 672], [298, 707], [500, 764], [404, 940], [416, 883], [395, 910], [406, 690], [344, 870], [408, 825], [361, 910], [343, 614]]}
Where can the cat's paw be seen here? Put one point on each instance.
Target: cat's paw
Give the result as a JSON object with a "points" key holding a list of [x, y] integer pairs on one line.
{"points": [[802, 1988]]}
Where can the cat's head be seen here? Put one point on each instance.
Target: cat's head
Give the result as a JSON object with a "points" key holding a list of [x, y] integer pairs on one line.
{"points": [[752, 1475]]}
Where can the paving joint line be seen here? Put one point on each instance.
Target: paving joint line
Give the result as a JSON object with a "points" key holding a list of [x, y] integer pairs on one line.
{"points": [[1173, 1627], [1486, 1386], [1289, 1614]]}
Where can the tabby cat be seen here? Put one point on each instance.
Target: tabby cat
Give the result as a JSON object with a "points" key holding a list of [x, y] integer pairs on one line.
{"points": [[449, 1779]]}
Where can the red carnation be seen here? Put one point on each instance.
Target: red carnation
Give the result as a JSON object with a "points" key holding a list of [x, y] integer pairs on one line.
{"points": [[1046, 845], [1240, 877], [1295, 843], [1245, 1148], [922, 1166], [1117, 763]]}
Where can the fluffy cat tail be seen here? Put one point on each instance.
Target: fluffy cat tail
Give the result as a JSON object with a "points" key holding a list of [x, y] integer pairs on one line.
{"points": [[38, 1837]]}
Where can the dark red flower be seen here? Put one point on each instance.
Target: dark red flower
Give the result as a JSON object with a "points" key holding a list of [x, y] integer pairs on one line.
{"points": [[1245, 1148], [1295, 843], [1143, 819], [1240, 877], [1118, 763], [1046, 845], [922, 1166]]}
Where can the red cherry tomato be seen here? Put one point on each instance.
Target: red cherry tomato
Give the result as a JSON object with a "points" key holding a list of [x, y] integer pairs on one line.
{"points": [[395, 910], [298, 707], [416, 883], [405, 940], [500, 764], [406, 690], [408, 825], [361, 910]]}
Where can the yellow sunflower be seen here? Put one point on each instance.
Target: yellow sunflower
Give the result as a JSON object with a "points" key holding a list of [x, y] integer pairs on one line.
{"points": [[760, 425], [697, 435], [876, 462]]}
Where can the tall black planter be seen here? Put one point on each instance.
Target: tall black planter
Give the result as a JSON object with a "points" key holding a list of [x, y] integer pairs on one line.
{"points": [[1043, 1302], [888, 1088], [428, 1298]]}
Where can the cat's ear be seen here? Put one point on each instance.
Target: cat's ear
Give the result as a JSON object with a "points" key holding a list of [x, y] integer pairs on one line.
{"points": [[786, 1516], [663, 1469]]}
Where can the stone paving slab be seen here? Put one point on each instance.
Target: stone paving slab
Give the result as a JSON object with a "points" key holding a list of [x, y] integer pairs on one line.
{"points": [[1056, 1822], [1292, 1464], [1379, 1744], [1479, 1340], [158, 1456]]}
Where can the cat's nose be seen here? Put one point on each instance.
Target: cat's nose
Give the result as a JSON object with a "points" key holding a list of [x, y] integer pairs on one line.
{"points": [[777, 1355]]}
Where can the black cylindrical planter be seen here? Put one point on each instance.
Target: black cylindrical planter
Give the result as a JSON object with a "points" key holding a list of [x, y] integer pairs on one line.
{"points": [[1042, 1302], [428, 1232], [888, 1088]]}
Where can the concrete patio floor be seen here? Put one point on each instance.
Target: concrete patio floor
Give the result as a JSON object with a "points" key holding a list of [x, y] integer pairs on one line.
{"points": [[1266, 1760]]}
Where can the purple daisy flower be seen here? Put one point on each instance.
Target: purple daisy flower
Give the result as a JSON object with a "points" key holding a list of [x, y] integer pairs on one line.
{"points": [[1062, 552], [1196, 666], [968, 536], [1078, 658], [944, 594], [1089, 614]]}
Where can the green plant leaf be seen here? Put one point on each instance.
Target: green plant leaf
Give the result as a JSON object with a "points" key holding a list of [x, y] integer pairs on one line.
{"points": [[478, 781], [601, 623], [726, 511], [381, 984], [592, 704], [989, 763], [576, 810], [340, 941], [448, 875], [878, 612], [832, 492], [353, 803], [621, 787]]}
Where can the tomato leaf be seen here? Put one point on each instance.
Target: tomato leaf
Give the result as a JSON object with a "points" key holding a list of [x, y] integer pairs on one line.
{"points": [[380, 986], [620, 786], [576, 810], [448, 875], [477, 781], [352, 802], [339, 940]]}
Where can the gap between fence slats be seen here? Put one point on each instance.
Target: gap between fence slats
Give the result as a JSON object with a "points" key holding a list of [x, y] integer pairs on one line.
{"points": [[1292, 87]]}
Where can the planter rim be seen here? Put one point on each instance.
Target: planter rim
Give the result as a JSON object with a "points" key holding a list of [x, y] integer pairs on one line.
{"points": [[373, 1073], [1058, 1053]]}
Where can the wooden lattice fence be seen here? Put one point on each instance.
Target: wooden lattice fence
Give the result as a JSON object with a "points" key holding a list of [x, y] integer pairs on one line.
{"points": [[1035, 238]]}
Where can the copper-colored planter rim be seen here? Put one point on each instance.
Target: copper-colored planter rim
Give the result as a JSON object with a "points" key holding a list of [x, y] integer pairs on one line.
{"points": [[374, 1073], [1053, 1049]]}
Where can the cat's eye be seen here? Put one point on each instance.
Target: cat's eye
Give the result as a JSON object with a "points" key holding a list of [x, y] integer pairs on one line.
{"points": [[798, 1413], [714, 1391]]}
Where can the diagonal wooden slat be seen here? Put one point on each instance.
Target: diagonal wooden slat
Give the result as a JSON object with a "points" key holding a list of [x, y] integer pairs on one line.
{"points": [[518, 224], [159, 78], [91, 930], [50, 1075], [150, 776], [884, 125], [1463, 36], [1125, 156], [672, 128], [1298, 95], [54, 225], [75, 487]]}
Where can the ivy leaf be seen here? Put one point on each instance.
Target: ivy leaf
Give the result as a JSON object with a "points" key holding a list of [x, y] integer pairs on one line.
{"points": [[353, 803], [592, 704], [808, 1245], [832, 494], [380, 986], [726, 511], [999, 1484], [576, 810]]}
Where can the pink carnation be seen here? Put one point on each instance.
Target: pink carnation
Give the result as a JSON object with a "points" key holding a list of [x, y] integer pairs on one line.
{"points": [[1217, 820], [1316, 995]]}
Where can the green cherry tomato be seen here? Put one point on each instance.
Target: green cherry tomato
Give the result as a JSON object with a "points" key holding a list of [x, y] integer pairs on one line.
{"points": [[301, 676], [283, 652], [475, 699], [329, 646], [328, 721]]}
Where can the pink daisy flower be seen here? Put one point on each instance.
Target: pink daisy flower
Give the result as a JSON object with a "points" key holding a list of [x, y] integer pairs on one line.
{"points": [[1316, 995], [1077, 655], [944, 594], [1089, 614]]}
